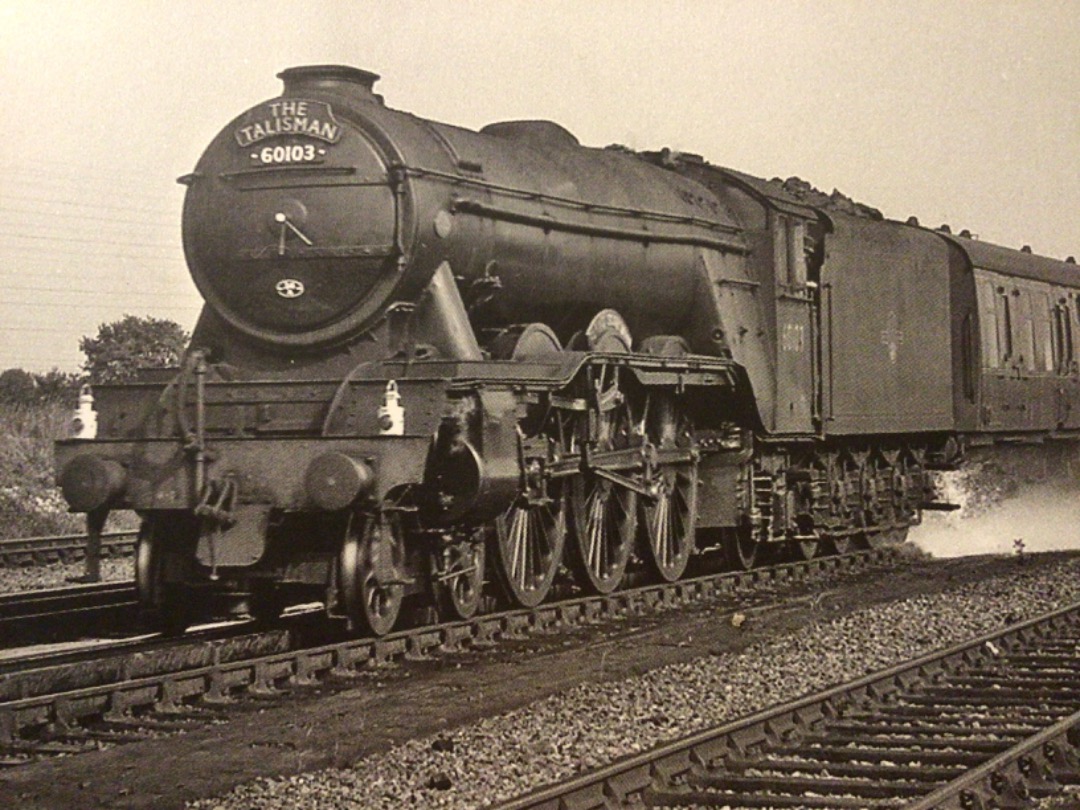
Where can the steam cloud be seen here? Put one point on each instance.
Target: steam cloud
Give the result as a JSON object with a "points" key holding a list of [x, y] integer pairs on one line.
{"points": [[1030, 495]]}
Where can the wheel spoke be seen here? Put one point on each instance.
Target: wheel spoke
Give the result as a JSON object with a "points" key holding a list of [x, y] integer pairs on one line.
{"points": [[519, 530], [597, 529], [669, 515]]}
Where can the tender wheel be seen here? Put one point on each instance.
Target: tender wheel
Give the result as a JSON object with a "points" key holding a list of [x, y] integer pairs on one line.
{"points": [[842, 545], [459, 582], [872, 540], [805, 549], [164, 607], [605, 520], [370, 596], [898, 536], [881, 539], [528, 545], [742, 548]]}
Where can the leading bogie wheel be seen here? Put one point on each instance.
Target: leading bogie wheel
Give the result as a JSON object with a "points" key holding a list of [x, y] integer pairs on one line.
{"points": [[528, 545], [164, 607], [370, 596], [459, 579]]}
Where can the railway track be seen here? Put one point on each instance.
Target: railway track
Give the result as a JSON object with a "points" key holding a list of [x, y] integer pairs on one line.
{"points": [[64, 548], [991, 723], [65, 612], [60, 708]]}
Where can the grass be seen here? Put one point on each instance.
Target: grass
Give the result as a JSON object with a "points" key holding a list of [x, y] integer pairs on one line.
{"points": [[30, 502]]}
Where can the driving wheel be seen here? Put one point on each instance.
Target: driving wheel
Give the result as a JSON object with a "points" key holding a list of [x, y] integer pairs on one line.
{"points": [[604, 524], [529, 539], [669, 514]]}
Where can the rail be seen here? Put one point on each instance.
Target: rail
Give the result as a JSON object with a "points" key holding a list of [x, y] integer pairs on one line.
{"points": [[988, 723], [64, 548], [61, 697], [64, 612]]}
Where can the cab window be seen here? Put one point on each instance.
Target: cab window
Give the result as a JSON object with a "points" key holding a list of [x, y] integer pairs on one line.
{"points": [[789, 251], [780, 248], [797, 253]]}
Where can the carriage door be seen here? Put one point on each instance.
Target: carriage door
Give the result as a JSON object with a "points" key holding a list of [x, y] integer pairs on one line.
{"points": [[1065, 340], [1003, 405], [795, 338], [1043, 392]]}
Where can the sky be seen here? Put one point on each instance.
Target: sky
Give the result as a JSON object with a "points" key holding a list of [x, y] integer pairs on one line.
{"points": [[957, 112]]}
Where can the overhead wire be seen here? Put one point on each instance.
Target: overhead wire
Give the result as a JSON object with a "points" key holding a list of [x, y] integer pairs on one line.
{"points": [[113, 226]]}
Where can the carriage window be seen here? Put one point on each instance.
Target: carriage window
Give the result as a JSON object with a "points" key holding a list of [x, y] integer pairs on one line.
{"points": [[1023, 317], [1041, 312], [988, 328], [1073, 311], [1003, 316], [1063, 337]]}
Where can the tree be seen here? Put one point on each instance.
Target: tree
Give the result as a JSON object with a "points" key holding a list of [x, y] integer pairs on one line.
{"points": [[58, 386], [122, 347], [17, 387]]}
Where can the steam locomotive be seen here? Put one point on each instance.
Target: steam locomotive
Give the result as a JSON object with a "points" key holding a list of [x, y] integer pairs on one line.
{"points": [[435, 364]]}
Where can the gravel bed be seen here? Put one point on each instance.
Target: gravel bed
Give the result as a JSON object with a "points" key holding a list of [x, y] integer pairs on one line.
{"points": [[1068, 800], [58, 575], [593, 724]]}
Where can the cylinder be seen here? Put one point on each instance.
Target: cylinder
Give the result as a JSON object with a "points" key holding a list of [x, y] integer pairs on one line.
{"points": [[335, 480]]}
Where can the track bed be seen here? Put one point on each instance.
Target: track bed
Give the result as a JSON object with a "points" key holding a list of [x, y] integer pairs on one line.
{"points": [[430, 699]]}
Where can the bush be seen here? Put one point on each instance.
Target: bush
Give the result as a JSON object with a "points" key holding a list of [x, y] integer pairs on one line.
{"points": [[30, 503]]}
